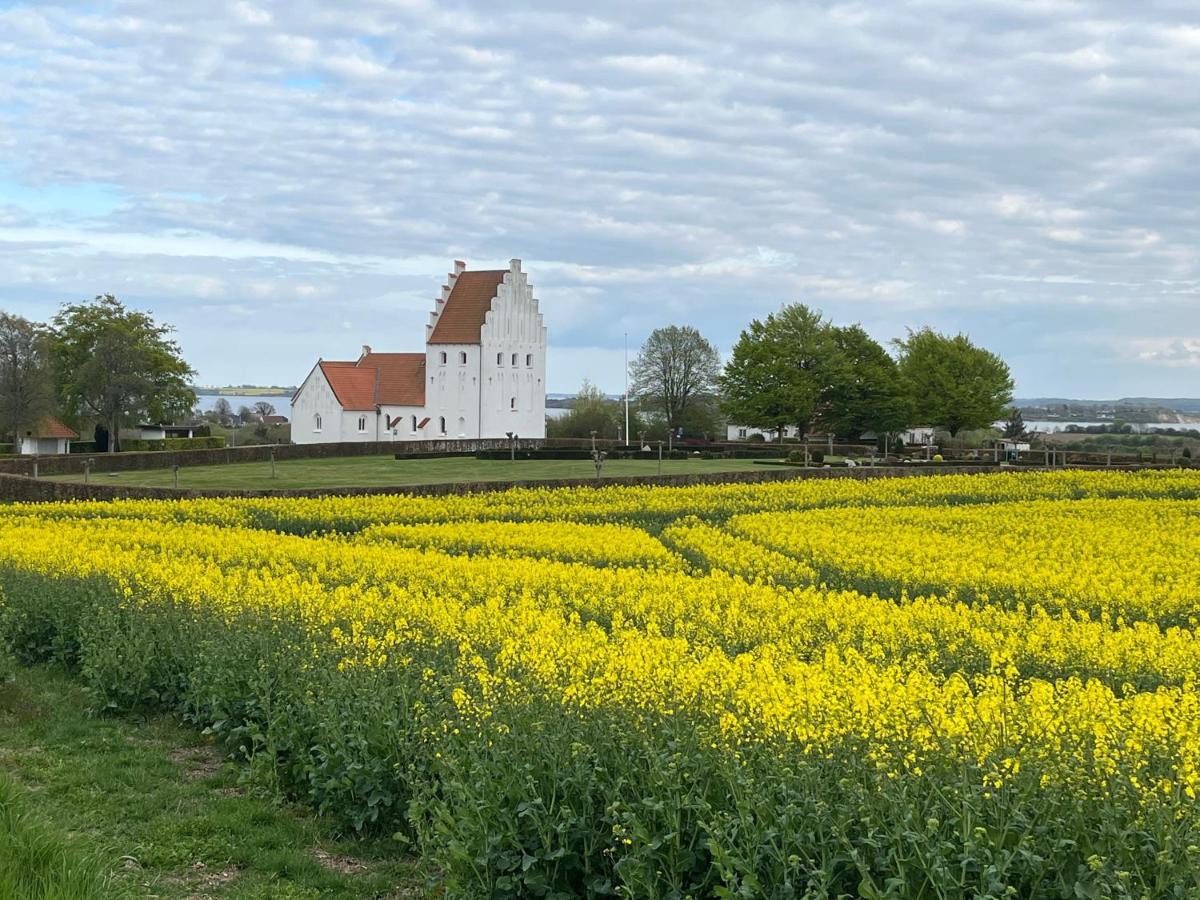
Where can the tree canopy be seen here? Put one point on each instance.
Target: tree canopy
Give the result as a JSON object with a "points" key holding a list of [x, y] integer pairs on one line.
{"points": [[26, 382], [118, 365], [780, 369], [675, 372], [864, 391], [953, 384]]}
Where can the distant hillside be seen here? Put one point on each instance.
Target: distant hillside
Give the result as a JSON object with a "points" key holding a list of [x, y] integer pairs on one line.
{"points": [[1128, 409], [245, 390]]}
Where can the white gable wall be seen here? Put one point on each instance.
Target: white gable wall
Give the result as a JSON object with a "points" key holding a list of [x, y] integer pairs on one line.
{"points": [[513, 342], [316, 398]]}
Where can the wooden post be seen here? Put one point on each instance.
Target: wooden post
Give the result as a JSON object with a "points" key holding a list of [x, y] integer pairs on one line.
{"points": [[272, 463], [660, 443], [175, 472]]}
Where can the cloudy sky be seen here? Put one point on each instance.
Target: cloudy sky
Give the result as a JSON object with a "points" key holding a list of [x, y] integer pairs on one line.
{"points": [[290, 180]]}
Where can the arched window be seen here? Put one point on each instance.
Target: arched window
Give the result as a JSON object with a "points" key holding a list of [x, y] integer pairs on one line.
{"points": [[529, 359], [362, 424], [317, 422], [462, 357], [514, 359], [512, 403], [442, 357], [499, 359], [442, 424], [414, 424], [462, 426]]}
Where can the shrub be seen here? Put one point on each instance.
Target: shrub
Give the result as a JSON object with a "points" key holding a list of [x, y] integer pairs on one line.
{"points": [[817, 456], [937, 457]]}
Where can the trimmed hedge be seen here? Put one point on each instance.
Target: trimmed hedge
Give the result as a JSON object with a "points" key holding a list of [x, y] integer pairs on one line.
{"points": [[196, 443]]}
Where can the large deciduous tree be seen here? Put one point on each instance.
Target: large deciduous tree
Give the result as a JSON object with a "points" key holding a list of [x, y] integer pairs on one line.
{"points": [[865, 391], [26, 380], [951, 382], [118, 365], [780, 370], [675, 374]]}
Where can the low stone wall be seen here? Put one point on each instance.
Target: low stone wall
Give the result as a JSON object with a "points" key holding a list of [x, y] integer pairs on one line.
{"points": [[22, 489], [165, 459]]}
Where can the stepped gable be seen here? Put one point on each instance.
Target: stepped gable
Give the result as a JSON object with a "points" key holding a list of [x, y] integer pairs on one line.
{"points": [[464, 304]]}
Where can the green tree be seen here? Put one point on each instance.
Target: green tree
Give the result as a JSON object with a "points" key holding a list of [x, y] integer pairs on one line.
{"points": [[590, 411], [865, 392], [675, 373], [118, 365], [951, 382], [1014, 425], [26, 381], [780, 370]]}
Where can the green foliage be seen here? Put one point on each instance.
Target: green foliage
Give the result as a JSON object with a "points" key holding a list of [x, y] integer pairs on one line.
{"points": [[130, 445], [592, 411], [780, 370], [951, 382], [1014, 425], [675, 372], [26, 383], [118, 365], [36, 860], [864, 392]]}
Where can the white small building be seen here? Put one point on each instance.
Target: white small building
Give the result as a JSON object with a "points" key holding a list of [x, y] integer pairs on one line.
{"points": [[744, 432], [149, 431], [49, 437], [917, 434], [482, 375]]}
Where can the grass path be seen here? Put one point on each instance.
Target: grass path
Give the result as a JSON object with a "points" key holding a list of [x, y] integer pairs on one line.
{"points": [[385, 471], [139, 808]]}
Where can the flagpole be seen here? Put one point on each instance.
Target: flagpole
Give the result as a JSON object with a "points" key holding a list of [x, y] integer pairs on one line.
{"points": [[627, 441]]}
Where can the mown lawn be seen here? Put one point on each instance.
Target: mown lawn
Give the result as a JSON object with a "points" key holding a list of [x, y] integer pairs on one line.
{"points": [[125, 807], [385, 471]]}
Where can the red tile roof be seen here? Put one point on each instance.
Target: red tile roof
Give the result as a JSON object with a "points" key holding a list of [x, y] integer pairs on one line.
{"points": [[401, 377], [377, 379], [462, 316], [52, 428]]}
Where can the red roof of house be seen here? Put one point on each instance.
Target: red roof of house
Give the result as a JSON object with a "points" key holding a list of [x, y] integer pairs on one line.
{"points": [[470, 299], [52, 428], [377, 379]]}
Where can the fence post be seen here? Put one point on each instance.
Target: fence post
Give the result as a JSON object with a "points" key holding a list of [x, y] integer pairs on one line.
{"points": [[175, 472]]}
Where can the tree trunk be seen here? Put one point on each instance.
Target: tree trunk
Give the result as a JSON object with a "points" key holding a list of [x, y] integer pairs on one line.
{"points": [[112, 435]]}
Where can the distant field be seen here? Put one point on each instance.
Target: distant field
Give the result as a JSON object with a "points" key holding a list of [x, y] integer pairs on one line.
{"points": [[384, 471]]}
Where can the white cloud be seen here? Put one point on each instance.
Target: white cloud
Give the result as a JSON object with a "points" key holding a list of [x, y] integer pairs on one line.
{"points": [[1018, 171]]}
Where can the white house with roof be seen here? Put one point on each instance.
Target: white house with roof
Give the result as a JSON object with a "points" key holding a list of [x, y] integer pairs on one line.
{"points": [[49, 436], [482, 375]]}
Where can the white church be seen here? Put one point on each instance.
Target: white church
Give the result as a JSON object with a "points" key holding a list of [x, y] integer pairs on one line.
{"points": [[482, 375]]}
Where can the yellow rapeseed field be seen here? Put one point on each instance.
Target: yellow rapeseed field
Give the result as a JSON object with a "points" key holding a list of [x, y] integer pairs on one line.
{"points": [[913, 687]]}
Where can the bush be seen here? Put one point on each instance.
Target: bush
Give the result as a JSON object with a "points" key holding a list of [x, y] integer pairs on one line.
{"points": [[937, 457], [87, 447], [818, 456], [8, 448], [199, 443], [795, 456], [756, 438]]}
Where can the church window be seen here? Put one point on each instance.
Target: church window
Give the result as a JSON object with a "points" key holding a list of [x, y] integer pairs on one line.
{"points": [[317, 422], [362, 424], [499, 359], [514, 359], [529, 359], [442, 357], [414, 424], [462, 357], [442, 424], [512, 403]]}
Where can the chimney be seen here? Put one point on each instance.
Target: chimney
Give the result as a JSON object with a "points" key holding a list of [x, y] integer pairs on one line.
{"points": [[365, 351]]}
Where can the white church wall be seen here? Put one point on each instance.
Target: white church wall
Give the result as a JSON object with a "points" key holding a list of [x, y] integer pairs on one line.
{"points": [[452, 390], [513, 343], [317, 416]]}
